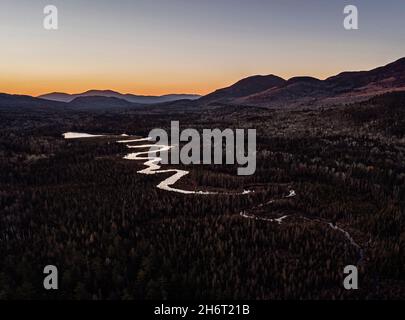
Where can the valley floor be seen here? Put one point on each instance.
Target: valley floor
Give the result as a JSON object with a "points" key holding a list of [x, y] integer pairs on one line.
{"points": [[328, 192]]}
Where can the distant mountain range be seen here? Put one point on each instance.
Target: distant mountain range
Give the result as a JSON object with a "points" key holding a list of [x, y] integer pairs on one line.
{"points": [[85, 103], [244, 88], [21, 101], [346, 87], [64, 97], [263, 91]]}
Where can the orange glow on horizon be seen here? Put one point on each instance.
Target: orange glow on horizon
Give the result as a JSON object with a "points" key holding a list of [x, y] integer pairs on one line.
{"points": [[191, 47], [36, 90], [35, 87]]}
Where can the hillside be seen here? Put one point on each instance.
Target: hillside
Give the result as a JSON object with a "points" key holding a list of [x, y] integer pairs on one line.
{"points": [[140, 99], [345, 87]]}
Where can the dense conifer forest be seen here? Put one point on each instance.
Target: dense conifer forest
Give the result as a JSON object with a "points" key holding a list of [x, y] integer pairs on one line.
{"points": [[79, 205]]}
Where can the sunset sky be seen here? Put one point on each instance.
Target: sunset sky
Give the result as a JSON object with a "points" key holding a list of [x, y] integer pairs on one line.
{"points": [[188, 46]]}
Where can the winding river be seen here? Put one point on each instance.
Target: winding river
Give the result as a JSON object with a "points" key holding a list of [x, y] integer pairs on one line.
{"points": [[152, 163], [249, 215]]}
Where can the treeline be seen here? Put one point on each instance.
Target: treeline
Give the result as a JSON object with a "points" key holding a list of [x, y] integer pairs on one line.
{"points": [[113, 235]]}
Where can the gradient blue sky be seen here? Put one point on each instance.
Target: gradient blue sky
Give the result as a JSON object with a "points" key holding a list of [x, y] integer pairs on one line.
{"points": [[167, 46]]}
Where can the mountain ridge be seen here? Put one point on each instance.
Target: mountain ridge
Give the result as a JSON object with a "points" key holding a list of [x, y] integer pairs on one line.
{"points": [[345, 87], [266, 91], [243, 87], [140, 99]]}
